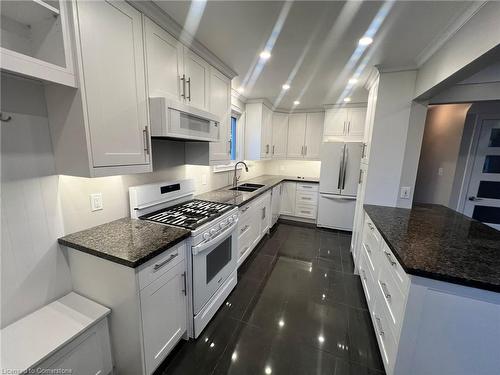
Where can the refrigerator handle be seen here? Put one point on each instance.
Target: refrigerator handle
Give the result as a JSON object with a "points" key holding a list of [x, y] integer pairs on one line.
{"points": [[344, 169], [341, 169]]}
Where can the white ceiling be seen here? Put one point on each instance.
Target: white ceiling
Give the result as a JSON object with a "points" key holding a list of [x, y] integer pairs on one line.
{"points": [[325, 33]]}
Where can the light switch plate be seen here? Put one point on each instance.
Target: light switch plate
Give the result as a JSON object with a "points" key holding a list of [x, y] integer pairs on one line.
{"points": [[96, 202], [203, 179], [405, 192]]}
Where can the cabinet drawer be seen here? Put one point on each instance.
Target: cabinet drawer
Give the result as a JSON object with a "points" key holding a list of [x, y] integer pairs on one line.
{"points": [[371, 236], [244, 211], [371, 260], [393, 299], [302, 186], [160, 264], [386, 341], [367, 280], [389, 261], [306, 211], [306, 197]]}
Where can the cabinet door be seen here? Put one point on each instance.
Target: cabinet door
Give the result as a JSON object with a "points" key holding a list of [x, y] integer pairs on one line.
{"points": [[288, 198], [336, 122], [164, 311], [266, 133], [197, 73], [356, 118], [276, 203], [314, 135], [296, 133], [220, 104], [164, 61], [115, 84], [280, 134], [265, 215]]}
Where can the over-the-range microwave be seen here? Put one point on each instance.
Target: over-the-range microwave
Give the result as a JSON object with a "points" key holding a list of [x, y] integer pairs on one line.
{"points": [[173, 119]]}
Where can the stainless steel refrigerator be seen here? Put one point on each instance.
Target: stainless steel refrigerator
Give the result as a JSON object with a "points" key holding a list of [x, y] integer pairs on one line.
{"points": [[338, 184]]}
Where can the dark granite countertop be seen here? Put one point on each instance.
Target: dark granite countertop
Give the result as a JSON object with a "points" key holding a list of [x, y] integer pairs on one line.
{"points": [[126, 241], [239, 198], [436, 242]]}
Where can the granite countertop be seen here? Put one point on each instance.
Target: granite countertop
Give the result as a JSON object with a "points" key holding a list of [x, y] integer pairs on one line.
{"points": [[436, 242], [239, 198], [127, 241]]}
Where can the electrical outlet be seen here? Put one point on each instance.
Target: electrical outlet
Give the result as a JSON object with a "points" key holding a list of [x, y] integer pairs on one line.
{"points": [[203, 179], [96, 202], [405, 192]]}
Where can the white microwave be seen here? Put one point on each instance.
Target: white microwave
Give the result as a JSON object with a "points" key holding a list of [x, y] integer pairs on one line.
{"points": [[172, 119]]}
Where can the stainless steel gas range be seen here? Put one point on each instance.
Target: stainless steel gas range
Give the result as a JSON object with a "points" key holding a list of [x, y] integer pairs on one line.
{"points": [[212, 248]]}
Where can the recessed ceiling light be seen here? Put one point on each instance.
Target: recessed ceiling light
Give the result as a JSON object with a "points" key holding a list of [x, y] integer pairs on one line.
{"points": [[365, 41], [353, 81], [347, 100], [268, 370], [241, 90], [321, 339], [296, 102], [265, 55], [286, 86]]}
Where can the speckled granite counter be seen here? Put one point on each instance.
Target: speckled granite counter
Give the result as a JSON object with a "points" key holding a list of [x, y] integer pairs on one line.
{"points": [[436, 242], [239, 198], [126, 241]]}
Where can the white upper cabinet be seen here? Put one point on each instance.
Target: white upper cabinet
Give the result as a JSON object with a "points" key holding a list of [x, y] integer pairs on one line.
{"points": [[335, 122], [356, 118], [280, 135], [36, 40], [115, 87], [314, 135], [102, 128], [220, 104], [296, 134], [258, 132], [345, 123], [164, 55], [197, 77]]}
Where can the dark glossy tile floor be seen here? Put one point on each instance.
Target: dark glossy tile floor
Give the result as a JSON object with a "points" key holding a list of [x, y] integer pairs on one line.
{"points": [[297, 309]]}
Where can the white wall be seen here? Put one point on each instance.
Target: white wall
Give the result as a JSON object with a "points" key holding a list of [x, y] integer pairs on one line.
{"points": [[440, 149], [34, 270]]}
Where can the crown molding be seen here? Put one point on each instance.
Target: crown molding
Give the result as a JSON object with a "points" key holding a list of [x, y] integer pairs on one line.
{"points": [[163, 19], [238, 95], [346, 105], [373, 76], [449, 32]]}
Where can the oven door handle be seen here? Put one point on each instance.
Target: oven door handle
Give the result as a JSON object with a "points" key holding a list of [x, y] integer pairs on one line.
{"points": [[214, 241]]}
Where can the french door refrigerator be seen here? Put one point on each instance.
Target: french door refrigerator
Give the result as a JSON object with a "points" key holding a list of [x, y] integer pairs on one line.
{"points": [[338, 184]]}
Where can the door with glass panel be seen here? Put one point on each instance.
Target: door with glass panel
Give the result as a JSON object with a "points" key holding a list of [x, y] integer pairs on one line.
{"points": [[483, 194]]}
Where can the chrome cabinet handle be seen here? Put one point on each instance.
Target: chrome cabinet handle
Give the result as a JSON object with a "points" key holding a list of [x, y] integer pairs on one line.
{"points": [[360, 179], [273, 149], [306, 198], [243, 230], [245, 209], [157, 266], [185, 283], [343, 131], [379, 326], [306, 187], [389, 258], [385, 290], [348, 127], [183, 79], [368, 248], [145, 134], [302, 150], [370, 226], [363, 155], [364, 274], [189, 88], [263, 213]]}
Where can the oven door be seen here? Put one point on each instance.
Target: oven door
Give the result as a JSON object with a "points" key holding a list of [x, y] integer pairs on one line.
{"points": [[213, 263]]}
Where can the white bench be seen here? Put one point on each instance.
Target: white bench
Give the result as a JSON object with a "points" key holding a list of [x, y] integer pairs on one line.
{"points": [[70, 334]]}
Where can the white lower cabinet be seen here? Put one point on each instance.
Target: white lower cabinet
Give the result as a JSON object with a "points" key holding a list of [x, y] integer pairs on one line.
{"points": [[276, 203], [163, 306], [288, 198], [253, 224], [299, 200], [422, 325], [148, 304]]}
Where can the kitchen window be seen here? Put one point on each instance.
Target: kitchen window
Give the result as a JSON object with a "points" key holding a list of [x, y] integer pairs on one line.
{"points": [[237, 142]]}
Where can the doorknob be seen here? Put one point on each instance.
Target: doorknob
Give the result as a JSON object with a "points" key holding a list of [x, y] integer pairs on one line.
{"points": [[474, 199]]}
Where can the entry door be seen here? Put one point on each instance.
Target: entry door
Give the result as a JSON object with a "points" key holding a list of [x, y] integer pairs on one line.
{"points": [[483, 195]]}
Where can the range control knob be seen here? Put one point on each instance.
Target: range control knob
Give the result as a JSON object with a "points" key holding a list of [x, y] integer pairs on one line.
{"points": [[230, 220], [235, 217], [222, 225], [213, 231], [206, 236]]}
